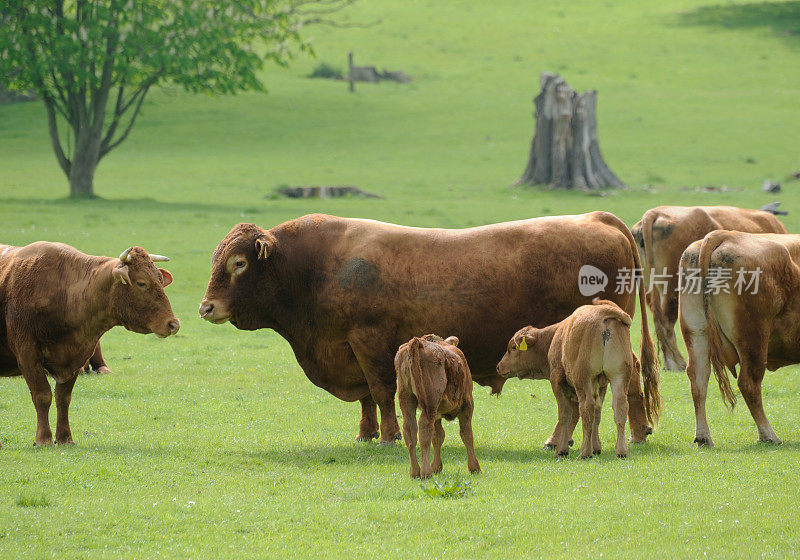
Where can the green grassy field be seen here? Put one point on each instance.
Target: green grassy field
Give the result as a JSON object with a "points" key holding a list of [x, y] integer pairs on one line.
{"points": [[214, 444]]}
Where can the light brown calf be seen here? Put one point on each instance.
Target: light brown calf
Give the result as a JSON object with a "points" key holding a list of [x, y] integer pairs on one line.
{"points": [[582, 355], [433, 375]]}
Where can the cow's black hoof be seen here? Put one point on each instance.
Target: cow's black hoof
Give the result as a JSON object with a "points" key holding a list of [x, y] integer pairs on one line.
{"points": [[549, 447]]}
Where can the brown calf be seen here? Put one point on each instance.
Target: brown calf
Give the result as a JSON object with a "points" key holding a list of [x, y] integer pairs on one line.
{"points": [[433, 375], [582, 354]]}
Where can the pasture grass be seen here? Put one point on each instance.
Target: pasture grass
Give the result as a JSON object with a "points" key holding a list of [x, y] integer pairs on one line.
{"points": [[214, 444]]}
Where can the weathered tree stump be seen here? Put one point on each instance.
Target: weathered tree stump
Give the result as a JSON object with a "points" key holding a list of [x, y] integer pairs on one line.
{"points": [[564, 151]]}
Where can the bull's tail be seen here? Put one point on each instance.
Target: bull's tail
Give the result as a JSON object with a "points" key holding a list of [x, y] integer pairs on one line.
{"points": [[649, 357], [420, 388], [649, 264], [710, 243]]}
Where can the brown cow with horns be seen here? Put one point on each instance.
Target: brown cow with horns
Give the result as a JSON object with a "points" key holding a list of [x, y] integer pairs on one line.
{"points": [[56, 303], [346, 293]]}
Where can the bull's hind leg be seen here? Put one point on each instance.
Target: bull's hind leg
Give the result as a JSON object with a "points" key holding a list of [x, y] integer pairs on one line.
{"points": [[408, 408], [751, 374], [465, 430], [368, 427], [698, 371], [673, 361], [63, 398], [438, 440], [97, 362]]}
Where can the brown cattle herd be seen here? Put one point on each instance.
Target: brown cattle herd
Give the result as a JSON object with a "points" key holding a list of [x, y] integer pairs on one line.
{"points": [[365, 305]]}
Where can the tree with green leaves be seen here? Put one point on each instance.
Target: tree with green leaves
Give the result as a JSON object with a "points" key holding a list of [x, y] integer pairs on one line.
{"points": [[93, 62]]}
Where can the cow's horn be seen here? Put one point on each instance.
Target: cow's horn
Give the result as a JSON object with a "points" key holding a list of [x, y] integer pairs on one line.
{"points": [[159, 258], [124, 256]]}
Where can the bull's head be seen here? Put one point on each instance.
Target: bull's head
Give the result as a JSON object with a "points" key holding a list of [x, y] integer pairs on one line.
{"points": [[137, 296], [239, 285], [524, 357]]}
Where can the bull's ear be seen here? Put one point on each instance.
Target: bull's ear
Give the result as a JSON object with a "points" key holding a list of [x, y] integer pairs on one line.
{"points": [[265, 244], [452, 340], [167, 277], [120, 273]]}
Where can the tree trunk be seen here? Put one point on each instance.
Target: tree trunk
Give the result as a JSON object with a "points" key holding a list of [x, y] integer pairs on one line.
{"points": [[84, 163], [565, 152]]}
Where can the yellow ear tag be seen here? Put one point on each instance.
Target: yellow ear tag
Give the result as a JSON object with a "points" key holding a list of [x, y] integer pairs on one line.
{"points": [[122, 279], [523, 345]]}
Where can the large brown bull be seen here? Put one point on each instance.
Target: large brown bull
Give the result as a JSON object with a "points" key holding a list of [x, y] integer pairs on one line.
{"points": [[750, 318], [345, 293], [663, 234], [56, 303]]}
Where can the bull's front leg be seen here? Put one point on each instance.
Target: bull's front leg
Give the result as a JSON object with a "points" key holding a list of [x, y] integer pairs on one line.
{"points": [[63, 398], [35, 375]]}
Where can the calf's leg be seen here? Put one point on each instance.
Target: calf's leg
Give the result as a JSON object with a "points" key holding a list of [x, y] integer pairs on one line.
{"points": [[465, 430], [63, 398], [586, 406], [438, 440], [408, 408], [567, 416], [425, 438], [620, 405], [597, 412]]}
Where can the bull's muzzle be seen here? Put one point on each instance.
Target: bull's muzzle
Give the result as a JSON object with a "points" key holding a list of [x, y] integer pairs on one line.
{"points": [[212, 311]]}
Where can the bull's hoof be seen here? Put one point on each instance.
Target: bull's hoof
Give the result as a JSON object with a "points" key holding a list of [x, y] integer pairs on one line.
{"points": [[571, 442], [103, 370], [586, 456], [703, 441], [770, 441], [549, 447], [562, 454], [622, 455], [596, 452], [648, 430], [360, 438], [65, 442]]}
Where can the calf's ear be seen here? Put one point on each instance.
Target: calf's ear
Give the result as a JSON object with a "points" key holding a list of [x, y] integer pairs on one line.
{"points": [[167, 277], [452, 340], [120, 273], [265, 244]]}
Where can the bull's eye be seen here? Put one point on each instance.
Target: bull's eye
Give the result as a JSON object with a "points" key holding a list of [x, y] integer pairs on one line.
{"points": [[240, 263], [141, 284]]}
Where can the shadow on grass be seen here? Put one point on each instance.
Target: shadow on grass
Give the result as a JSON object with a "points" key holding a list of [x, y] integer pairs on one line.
{"points": [[782, 18]]}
